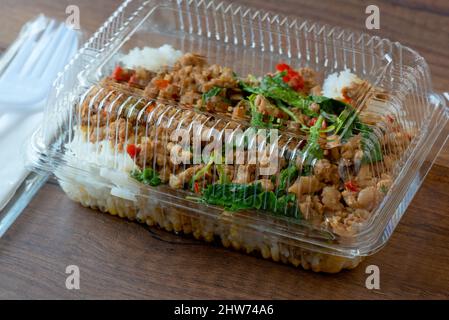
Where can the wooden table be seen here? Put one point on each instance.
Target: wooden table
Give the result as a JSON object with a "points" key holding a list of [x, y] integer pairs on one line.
{"points": [[120, 259]]}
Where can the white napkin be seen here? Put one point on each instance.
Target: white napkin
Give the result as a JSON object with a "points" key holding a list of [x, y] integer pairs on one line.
{"points": [[16, 128], [15, 131]]}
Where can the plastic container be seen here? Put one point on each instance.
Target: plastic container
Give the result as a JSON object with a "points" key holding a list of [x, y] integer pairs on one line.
{"points": [[411, 125]]}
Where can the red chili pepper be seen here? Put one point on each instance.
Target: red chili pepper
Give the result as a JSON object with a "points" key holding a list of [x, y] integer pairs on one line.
{"points": [[117, 73], [347, 100], [312, 122], [132, 150], [292, 73], [161, 83], [292, 78], [120, 75], [351, 186], [282, 67], [286, 78], [196, 187]]}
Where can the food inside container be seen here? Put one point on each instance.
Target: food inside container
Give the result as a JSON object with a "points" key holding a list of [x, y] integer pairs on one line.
{"points": [[300, 162], [314, 159]]}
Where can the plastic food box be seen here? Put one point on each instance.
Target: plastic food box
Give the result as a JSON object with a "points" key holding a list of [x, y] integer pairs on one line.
{"points": [[98, 175]]}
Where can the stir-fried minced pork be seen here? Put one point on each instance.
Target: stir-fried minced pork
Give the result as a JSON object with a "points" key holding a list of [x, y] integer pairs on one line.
{"points": [[333, 178]]}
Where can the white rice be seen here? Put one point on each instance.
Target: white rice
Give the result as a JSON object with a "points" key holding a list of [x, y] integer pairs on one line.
{"points": [[151, 58], [335, 82], [100, 153], [103, 164]]}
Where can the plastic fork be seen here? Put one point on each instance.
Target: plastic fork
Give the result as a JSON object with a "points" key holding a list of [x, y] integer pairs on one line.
{"points": [[27, 79]]}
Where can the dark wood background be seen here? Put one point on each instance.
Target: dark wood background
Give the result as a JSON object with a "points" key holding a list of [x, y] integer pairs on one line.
{"points": [[120, 259]]}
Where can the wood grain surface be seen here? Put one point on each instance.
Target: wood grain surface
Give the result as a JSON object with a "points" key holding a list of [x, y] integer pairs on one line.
{"points": [[121, 259]]}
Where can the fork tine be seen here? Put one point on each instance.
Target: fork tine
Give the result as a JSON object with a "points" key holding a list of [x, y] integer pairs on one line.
{"points": [[46, 55], [60, 55], [21, 56], [39, 48]]}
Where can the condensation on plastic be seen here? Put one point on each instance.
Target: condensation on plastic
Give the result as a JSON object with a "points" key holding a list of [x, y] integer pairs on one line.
{"points": [[250, 41]]}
